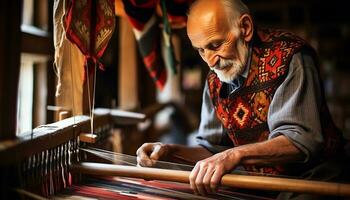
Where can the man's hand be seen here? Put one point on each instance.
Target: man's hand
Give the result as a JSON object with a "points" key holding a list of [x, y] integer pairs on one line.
{"points": [[206, 175], [149, 153]]}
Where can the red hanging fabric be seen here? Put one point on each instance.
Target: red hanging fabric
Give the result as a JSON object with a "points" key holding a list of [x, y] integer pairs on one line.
{"points": [[90, 25], [142, 16]]}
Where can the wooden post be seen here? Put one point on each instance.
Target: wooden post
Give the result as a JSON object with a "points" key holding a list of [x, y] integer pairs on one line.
{"points": [[10, 37]]}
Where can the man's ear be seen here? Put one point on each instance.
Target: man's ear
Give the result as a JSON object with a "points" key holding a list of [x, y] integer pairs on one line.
{"points": [[246, 26]]}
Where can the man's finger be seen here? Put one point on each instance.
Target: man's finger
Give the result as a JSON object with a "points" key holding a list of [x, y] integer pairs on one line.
{"points": [[144, 160], [157, 152], [142, 155], [207, 178], [192, 178], [216, 179], [199, 180]]}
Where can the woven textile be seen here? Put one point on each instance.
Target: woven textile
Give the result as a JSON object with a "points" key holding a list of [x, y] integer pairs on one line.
{"points": [[89, 25], [142, 15], [69, 65]]}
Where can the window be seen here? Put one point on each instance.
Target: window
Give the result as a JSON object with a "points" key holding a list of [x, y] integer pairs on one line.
{"points": [[36, 52]]}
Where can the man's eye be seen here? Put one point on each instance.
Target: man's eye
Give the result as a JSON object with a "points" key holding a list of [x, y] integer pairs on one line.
{"points": [[200, 50], [215, 45]]}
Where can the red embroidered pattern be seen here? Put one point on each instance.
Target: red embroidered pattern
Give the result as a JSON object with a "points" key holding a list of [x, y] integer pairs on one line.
{"points": [[90, 25], [244, 114]]}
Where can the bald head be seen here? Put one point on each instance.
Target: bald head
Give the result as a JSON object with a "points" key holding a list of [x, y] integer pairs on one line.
{"points": [[228, 10], [206, 17], [205, 8]]}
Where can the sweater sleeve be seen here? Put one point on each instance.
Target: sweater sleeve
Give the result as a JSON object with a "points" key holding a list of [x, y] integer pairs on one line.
{"points": [[295, 107]]}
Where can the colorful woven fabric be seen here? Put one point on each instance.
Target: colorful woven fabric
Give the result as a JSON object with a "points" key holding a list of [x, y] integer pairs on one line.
{"points": [[142, 16], [244, 113], [89, 25], [110, 188]]}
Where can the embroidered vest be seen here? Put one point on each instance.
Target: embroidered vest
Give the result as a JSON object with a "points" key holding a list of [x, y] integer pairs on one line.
{"points": [[244, 113]]}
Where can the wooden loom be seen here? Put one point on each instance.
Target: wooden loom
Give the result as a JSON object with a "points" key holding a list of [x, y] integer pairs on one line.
{"points": [[48, 160], [39, 161]]}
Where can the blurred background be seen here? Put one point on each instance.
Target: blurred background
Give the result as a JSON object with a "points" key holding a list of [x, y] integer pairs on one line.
{"points": [[125, 84]]}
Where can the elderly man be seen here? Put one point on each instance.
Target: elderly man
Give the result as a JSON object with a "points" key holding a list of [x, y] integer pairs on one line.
{"points": [[263, 105]]}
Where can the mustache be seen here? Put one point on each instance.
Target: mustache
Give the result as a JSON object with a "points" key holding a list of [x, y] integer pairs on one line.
{"points": [[223, 63]]}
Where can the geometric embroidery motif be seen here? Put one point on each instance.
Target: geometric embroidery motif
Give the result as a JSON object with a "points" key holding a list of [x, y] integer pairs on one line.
{"points": [[241, 114], [273, 60], [248, 110]]}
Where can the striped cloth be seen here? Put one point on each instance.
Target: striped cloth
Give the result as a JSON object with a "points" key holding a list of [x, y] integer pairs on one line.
{"points": [[142, 16]]}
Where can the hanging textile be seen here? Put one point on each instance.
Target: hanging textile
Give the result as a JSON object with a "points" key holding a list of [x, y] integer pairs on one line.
{"points": [[89, 25], [68, 64], [173, 13], [143, 18], [176, 10], [69, 70], [166, 33]]}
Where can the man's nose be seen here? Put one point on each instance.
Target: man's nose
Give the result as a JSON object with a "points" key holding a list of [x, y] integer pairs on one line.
{"points": [[210, 58]]}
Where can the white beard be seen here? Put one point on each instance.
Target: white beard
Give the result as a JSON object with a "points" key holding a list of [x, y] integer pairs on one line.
{"points": [[228, 69]]}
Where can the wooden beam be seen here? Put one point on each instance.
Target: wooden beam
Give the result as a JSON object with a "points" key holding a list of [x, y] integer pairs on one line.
{"points": [[46, 137], [121, 117], [232, 180], [36, 41]]}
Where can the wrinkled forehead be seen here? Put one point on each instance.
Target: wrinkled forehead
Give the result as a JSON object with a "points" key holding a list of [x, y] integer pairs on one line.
{"points": [[206, 22]]}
